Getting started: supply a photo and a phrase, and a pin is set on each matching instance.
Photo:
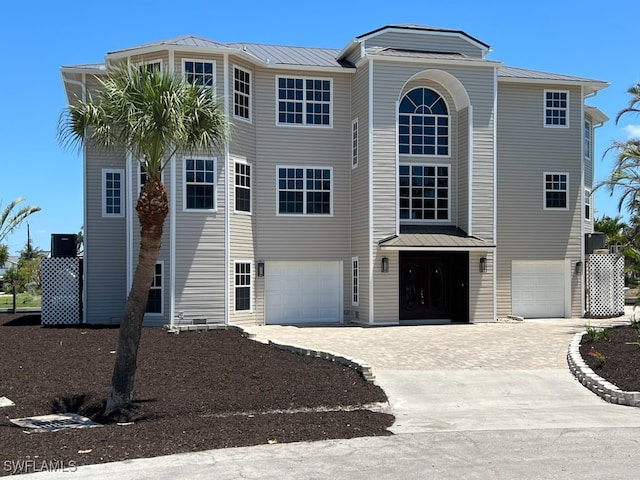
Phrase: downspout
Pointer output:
(227, 173)
(370, 199)
(83, 87)
(172, 221)
(495, 194)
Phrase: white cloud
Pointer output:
(633, 131)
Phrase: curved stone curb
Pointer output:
(598, 385)
(365, 370)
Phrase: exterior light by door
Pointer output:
(578, 268)
(482, 268)
(261, 268)
(385, 264)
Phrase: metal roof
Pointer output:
(524, 74)
(434, 238)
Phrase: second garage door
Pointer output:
(538, 289)
(303, 292)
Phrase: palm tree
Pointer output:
(10, 220)
(614, 229)
(152, 115)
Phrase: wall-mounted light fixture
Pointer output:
(385, 264)
(482, 267)
(260, 268)
(579, 268)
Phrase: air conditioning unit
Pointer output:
(64, 245)
(593, 241)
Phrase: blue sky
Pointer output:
(586, 38)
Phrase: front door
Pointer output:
(434, 286)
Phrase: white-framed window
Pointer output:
(588, 131)
(354, 143)
(304, 101)
(556, 189)
(304, 190)
(423, 124)
(151, 66)
(243, 187)
(242, 286)
(200, 178)
(587, 204)
(113, 192)
(199, 72)
(556, 108)
(424, 192)
(241, 93)
(155, 300)
(355, 281)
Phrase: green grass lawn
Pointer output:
(23, 300)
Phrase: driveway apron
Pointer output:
(487, 376)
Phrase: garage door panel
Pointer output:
(303, 292)
(538, 289)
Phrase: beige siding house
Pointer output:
(403, 179)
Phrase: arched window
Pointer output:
(423, 123)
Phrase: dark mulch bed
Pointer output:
(621, 362)
(194, 391)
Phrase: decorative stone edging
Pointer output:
(587, 377)
(365, 370)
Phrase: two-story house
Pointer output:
(404, 178)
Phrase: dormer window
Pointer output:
(423, 124)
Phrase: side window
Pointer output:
(556, 108)
(355, 281)
(243, 286)
(241, 93)
(112, 192)
(243, 187)
(154, 303)
(199, 184)
(304, 101)
(354, 143)
(304, 191)
(556, 188)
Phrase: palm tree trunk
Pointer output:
(152, 208)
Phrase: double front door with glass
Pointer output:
(434, 286)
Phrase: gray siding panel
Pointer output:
(525, 151)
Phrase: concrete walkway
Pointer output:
(471, 401)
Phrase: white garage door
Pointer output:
(538, 289)
(303, 292)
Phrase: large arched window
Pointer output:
(423, 124)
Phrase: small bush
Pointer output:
(595, 334)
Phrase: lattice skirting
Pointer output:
(605, 285)
(60, 290)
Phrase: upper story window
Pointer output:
(241, 93)
(304, 101)
(152, 66)
(243, 187)
(112, 192)
(556, 188)
(424, 192)
(556, 108)
(304, 191)
(198, 72)
(423, 124)
(354, 143)
(587, 139)
(200, 184)
(154, 302)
